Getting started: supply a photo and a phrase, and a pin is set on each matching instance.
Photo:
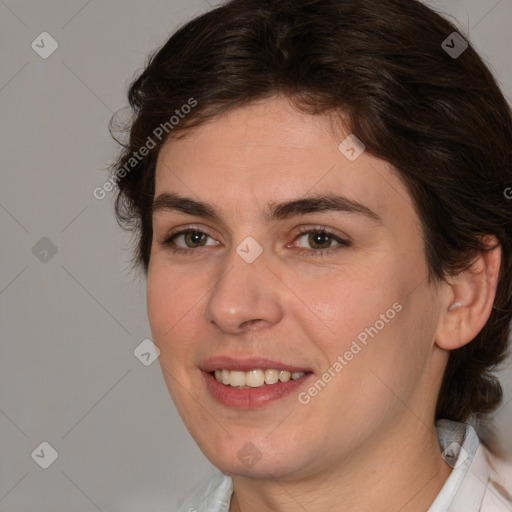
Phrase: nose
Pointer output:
(245, 297)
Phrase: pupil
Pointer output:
(319, 239)
(195, 237)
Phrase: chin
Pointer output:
(247, 460)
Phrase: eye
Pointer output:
(187, 239)
(320, 240)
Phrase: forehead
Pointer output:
(269, 152)
(259, 130)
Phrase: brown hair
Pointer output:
(439, 119)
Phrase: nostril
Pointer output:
(251, 324)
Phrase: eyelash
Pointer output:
(169, 240)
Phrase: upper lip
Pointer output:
(248, 363)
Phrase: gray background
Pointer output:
(69, 325)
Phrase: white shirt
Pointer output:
(473, 485)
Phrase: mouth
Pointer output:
(255, 378)
(251, 383)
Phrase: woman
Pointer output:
(318, 194)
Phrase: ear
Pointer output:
(467, 301)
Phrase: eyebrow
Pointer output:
(275, 211)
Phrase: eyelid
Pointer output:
(322, 229)
(184, 229)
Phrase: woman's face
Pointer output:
(259, 286)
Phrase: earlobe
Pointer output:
(470, 297)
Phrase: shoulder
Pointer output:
(213, 495)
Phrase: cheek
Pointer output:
(157, 298)
(172, 308)
(171, 303)
(369, 318)
(345, 302)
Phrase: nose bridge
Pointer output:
(245, 293)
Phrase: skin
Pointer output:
(357, 444)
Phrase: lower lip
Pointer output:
(251, 398)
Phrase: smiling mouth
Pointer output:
(256, 378)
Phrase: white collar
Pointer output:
(469, 487)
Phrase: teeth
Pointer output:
(271, 376)
(236, 379)
(255, 378)
(284, 376)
